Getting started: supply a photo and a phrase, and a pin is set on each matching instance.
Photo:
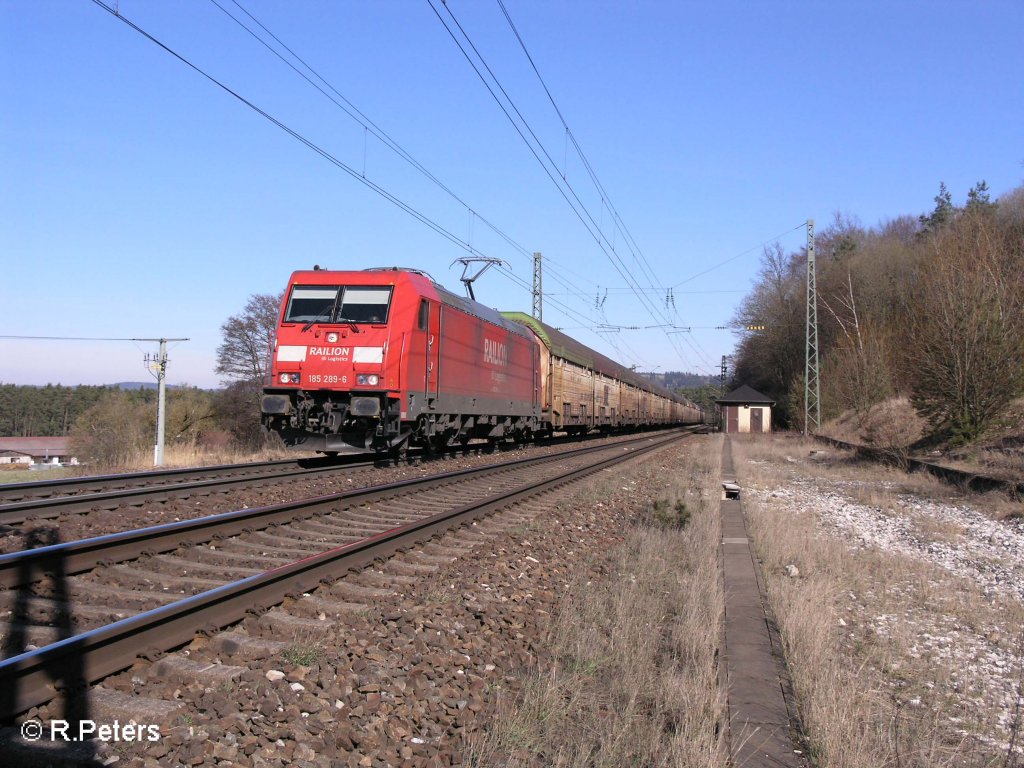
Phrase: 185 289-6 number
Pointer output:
(327, 379)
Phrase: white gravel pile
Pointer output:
(985, 551)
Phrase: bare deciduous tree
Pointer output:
(114, 431)
(769, 359)
(243, 358)
(857, 366)
(929, 308)
(966, 332)
(248, 338)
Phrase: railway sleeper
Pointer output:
(27, 636)
(315, 605)
(46, 611)
(346, 590)
(408, 567)
(106, 706)
(191, 568)
(383, 579)
(283, 624)
(182, 669)
(244, 646)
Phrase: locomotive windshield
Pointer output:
(364, 304)
(338, 304)
(310, 303)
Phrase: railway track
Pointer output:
(72, 486)
(969, 481)
(95, 494)
(82, 610)
(49, 499)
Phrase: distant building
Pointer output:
(746, 410)
(14, 457)
(39, 450)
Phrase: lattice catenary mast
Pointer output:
(812, 388)
(538, 290)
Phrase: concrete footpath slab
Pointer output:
(762, 731)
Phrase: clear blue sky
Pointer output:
(140, 200)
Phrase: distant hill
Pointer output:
(676, 379)
(134, 385)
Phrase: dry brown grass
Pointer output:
(1001, 463)
(180, 456)
(853, 624)
(634, 679)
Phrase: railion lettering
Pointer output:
(329, 351)
(495, 352)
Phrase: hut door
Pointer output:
(755, 420)
(732, 419)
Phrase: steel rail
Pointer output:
(66, 486)
(45, 508)
(963, 479)
(29, 677)
(83, 554)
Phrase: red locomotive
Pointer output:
(380, 359)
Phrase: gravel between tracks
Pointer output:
(402, 680)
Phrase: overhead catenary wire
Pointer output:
(570, 136)
(310, 144)
(395, 200)
(369, 126)
(86, 338)
(605, 197)
(713, 267)
(536, 147)
(460, 242)
(590, 325)
(350, 109)
(550, 167)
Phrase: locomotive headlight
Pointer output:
(369, 379)
(289, 378)
(332, 338)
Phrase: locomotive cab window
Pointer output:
(424, 316)
(338, 304)
(364, 304)
(311, 303)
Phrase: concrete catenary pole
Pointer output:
(158, 364)
(161, 408)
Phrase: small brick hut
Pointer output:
(746, 410)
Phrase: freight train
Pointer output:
(382, 359)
